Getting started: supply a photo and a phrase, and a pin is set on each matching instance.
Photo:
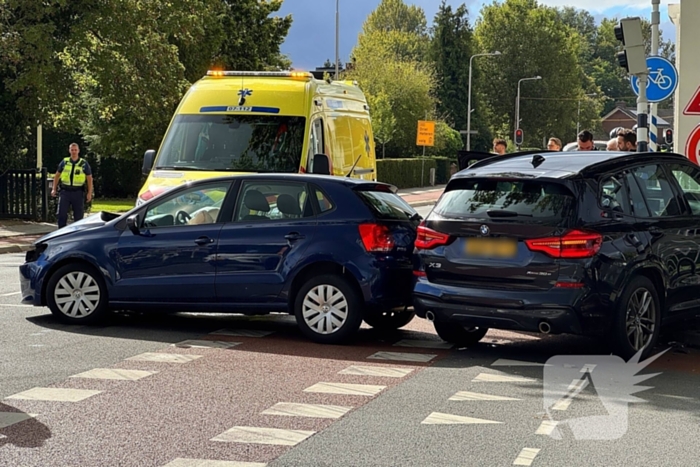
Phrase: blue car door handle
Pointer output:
(291, 236)
(204, 241)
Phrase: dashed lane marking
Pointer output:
(526, 456)
(115, 374)
(55, 394)
(241, 332)
(382, 371)
(346, 389)
(437, 418)
(258, 435)
(547, 427)
(307, 410)
(491, 378)
(185, 462)
(10, 418)
(423, 344)
(204, 344)
(506, 362)
(402, 356)
(10, 294)
(475, 396)
(164, 357)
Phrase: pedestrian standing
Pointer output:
(73, 176)
(499, 146)
(554, 144)
(627, 140)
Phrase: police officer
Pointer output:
(74, 174)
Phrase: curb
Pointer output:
(15, 248)
(419, 204)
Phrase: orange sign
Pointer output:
(426, 133)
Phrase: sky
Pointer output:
(311, 39)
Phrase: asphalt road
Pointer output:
(274, 398)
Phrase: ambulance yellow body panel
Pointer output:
(236, 122)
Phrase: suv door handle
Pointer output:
(291, 236)
(204, 241)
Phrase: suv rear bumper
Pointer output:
(501, 309)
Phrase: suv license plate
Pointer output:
(491, 248)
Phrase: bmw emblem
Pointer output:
(484, 229)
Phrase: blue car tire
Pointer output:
(328, 309)
(76, 294)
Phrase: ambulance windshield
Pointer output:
(246, 143)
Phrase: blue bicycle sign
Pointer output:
(661, 82)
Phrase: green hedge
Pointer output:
(405, 173)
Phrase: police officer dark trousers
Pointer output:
(73, 176)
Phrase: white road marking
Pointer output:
(164, 357)
(347, 389)
(10, 418)
(402, 356)
(491, 378)
(10, 294)
(19, 305)
(241, 333)
(382, 371)
(257, 435)
(506, 362)
(186, 462)
(574, 389)
(55, 394)
(437, 418)
(424, 344)
(588, 368)
(307, 410)
(205, 344)
(115, 374)
(526, 456)
(547, 427)
(475, 396)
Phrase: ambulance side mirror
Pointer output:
(321, 165)
(148, 159)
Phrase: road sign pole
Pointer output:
(642, 109)
(653, 108)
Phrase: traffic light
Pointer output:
(668, 136)
(518, 137)
(633, 57)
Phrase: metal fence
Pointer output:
(24, 194)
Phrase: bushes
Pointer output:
(406, 173)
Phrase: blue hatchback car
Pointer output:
(330, 250)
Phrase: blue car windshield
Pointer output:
(244, 143)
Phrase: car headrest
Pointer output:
(255, 201)
(287, 205)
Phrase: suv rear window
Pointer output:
(388, 206)
(495, 199)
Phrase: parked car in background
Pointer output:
(604, 244)
(599, 145)
(330, 250)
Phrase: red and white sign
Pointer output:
(692, 147)
(693, 107)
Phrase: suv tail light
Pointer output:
(574, 244)
(376, 238)
(427, 238)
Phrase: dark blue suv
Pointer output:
(330, 250)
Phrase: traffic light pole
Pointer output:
(642, 117)
(653, 108)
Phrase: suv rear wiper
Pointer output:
(505, 213)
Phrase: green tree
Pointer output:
(533, 42)
(399, 28)
(383, 120)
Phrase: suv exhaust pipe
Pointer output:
(544, 327)
(430, 316)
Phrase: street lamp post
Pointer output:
(337, 23)
(517, 102)
(578, 116)
(469, 98)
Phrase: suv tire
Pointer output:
(389, 320)
(328, 309)
(460, 335)
(637, 319)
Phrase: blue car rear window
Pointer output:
(387, 205)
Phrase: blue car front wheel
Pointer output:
(76, 294)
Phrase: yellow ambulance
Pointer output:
(242, 121)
